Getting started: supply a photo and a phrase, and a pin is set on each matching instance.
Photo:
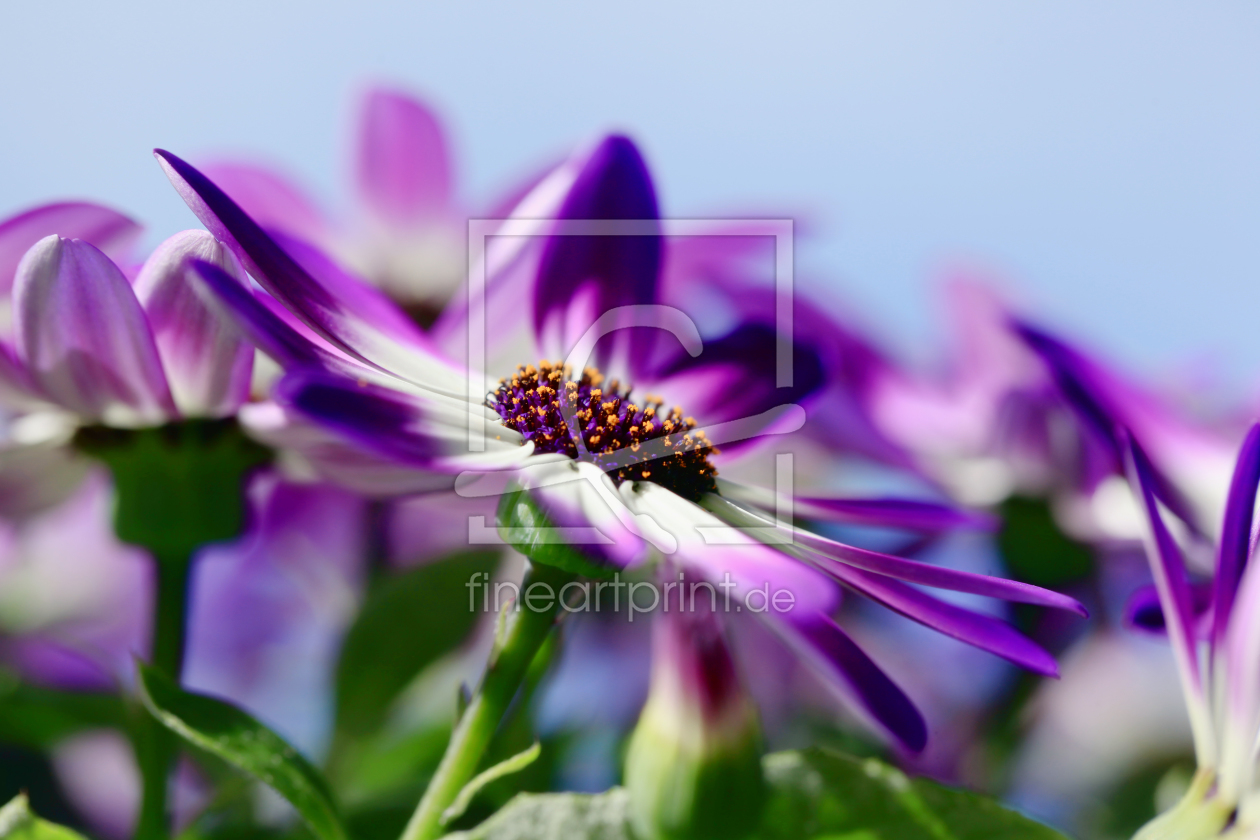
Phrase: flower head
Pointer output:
(109, 351)
(367, 394)
(405, 236)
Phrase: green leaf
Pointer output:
(178, 486)
(820, 793)
(507, 767)
(543, 816)
(234, 736)
(815, 794)
(524, 526)
(18, 823)
(408, 621)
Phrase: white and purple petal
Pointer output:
(271, 199)
(582, 274)
(336, 314)
(263, 327)
(1235, 544)
(207, 364)
(1169, 570)
(84, 337)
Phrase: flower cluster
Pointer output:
(293, 414)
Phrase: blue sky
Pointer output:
(1103, 158)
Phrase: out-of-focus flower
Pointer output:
(266, 619)
(1218, 659)
(89, 343)
(1191, 461)
(1022, 412)
(36, 469)
(74, 601)
(1116, 711)
(589, 456)
(408, 236)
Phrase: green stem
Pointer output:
(507, 668)
(155, 744)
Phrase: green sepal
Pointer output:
(177, 486)
(525, 527)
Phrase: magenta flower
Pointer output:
(362, 377)
(407, 234)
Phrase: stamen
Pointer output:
(608, 422)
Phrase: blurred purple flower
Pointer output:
(407, 237)
(369, 391)
(267, 615)
(89, 342)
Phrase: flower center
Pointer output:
(536, 400)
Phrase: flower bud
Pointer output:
(694, 764)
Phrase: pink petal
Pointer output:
(403, 164)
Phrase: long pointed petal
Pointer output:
(206, 362)
(1235, 544)
(1169, 570)
(830, 554)
(908, 514)
(84, 337)
(976, 629)
(833, 654)
(378, 419)
(939, 577)
(1086, 391)
(403, 167)
(904, 514)
(107, 229)
(331, 313)
(262, 327)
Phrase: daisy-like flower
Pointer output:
(1216, 646)
(406, 235)
(106, 350)
(636, 475)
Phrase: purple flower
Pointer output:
(1218, 660)
(626, 477)
(92, 343)
(407, 234)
